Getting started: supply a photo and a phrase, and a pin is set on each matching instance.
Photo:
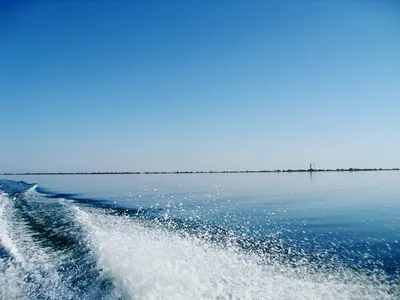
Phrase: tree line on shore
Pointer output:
(208, 172)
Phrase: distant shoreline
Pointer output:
(203, 172)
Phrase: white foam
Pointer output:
(5, 239)
(31, 271)
(150, 262)
(32, 188)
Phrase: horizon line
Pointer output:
(203, 172)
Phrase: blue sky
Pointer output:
(198, 85)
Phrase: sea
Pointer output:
(319, 235)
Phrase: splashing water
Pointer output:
(151, 262)
(53, 248)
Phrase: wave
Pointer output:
(44, 256)
(60, 248)
(152, 262)
(15, 187)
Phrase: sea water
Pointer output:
(201, 236)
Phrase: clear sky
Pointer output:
(198, 85)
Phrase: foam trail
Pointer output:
(30, 271)
(150, 262)
(46, 256)
(32, 188)
(5, 239)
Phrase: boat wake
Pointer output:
(55, 248)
